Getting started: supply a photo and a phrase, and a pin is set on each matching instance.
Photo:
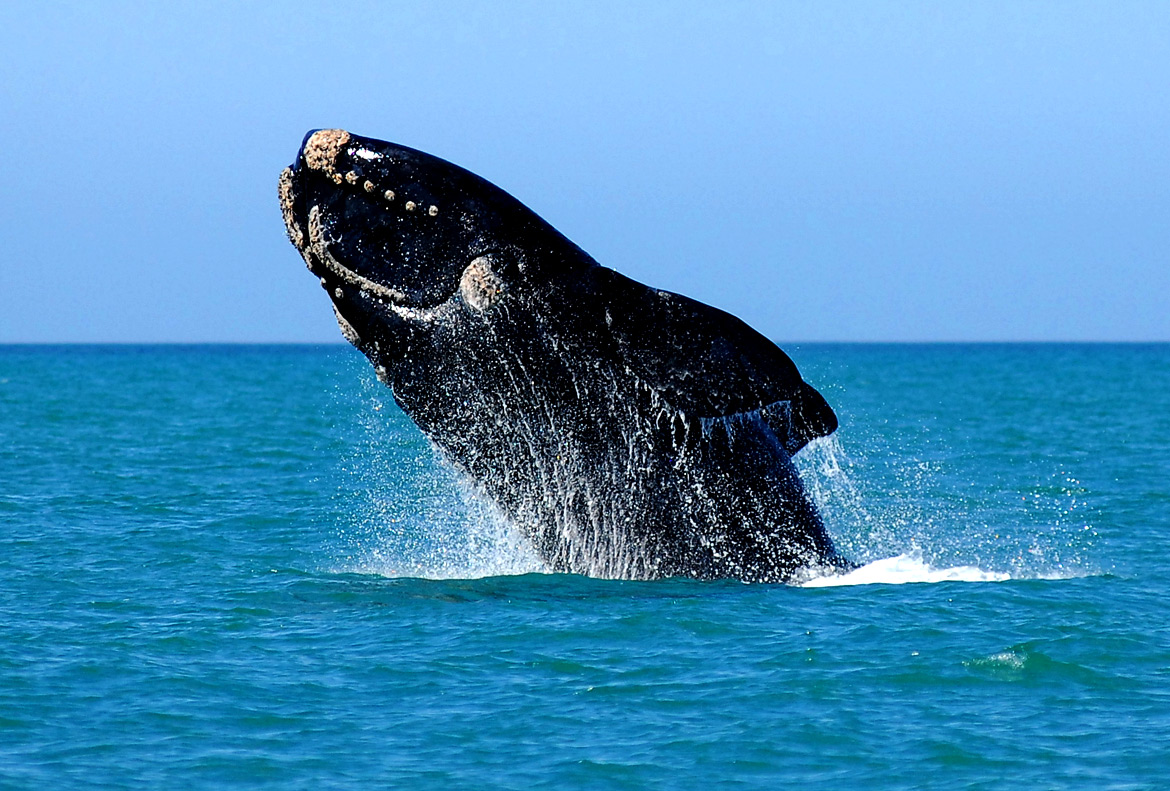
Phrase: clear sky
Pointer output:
(826, 171)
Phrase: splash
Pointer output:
(873, 511)
(452, 533)
(415, 516)
(925, 521)
(905, 569)
(905, 520)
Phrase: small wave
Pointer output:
(1012, 660)
(902, 569)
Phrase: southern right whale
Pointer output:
(628, 432)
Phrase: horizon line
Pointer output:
(344, 344)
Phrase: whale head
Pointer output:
(397, 236)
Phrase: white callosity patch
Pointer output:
(296, 234)
(322, 149)
(321, 152)
(347, 330)
(480, 286)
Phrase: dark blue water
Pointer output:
(242, 566)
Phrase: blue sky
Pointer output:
(826, 171)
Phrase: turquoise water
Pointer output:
(242, 566)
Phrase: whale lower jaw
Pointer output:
(376, 293)
(313, 245)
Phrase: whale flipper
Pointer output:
(706, 362)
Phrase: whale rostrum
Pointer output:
(627, 432)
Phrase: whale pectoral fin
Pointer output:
(812, 417)
(705, 361)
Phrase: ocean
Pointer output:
(242, 566)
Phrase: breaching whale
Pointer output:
(628, 432)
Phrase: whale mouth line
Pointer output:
(373, 292)
(320, 247)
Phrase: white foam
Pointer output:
(450, 533)
(903, 569)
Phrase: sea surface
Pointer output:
(242, 566)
